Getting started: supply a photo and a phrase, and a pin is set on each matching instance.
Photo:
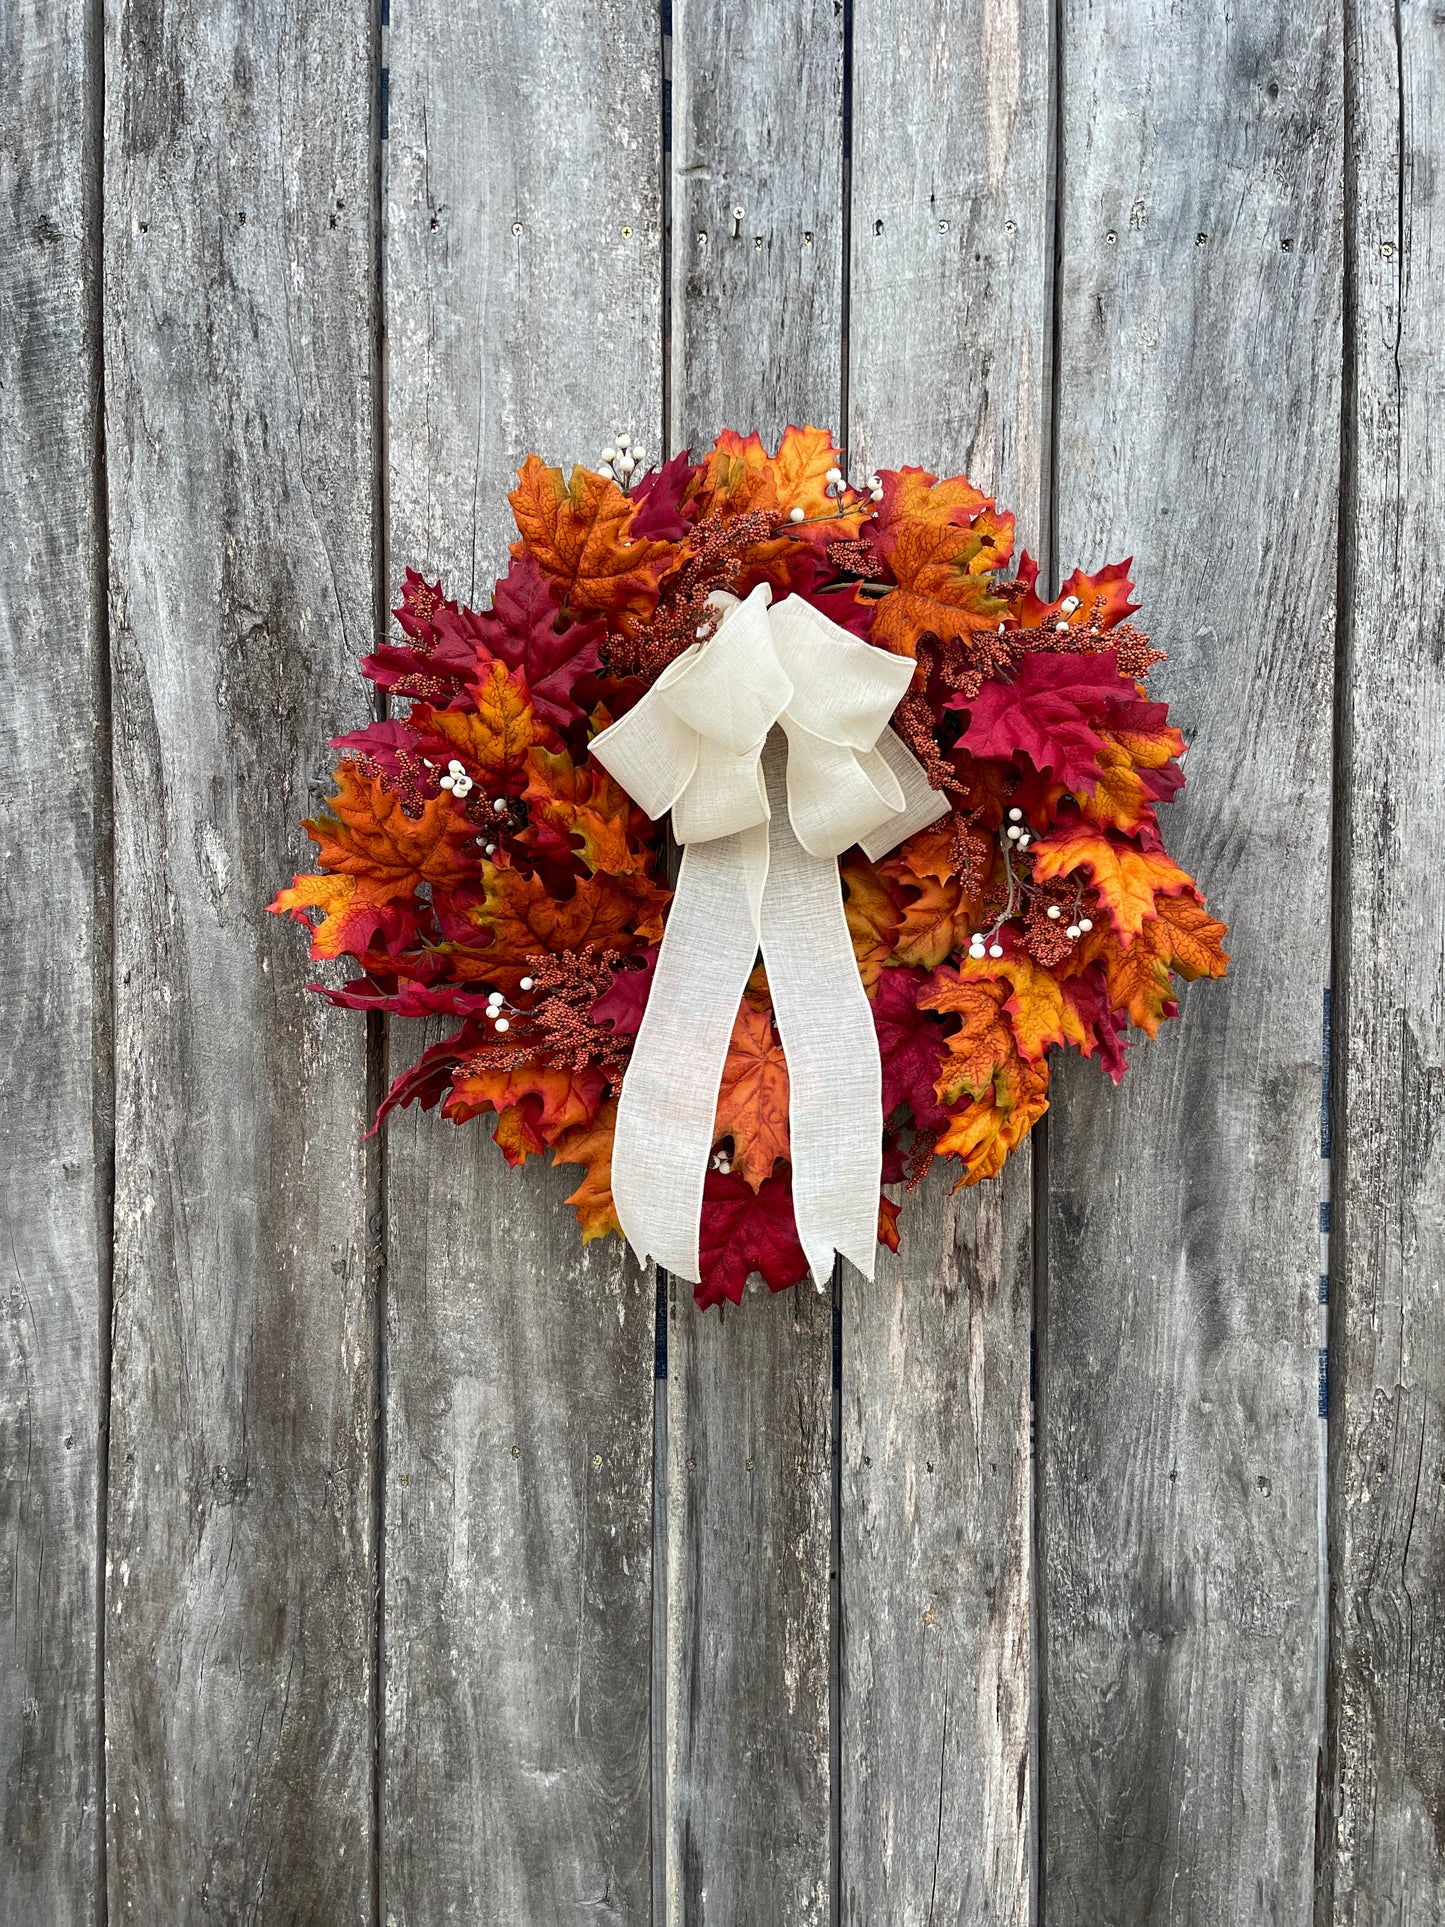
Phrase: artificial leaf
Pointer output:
(591, 1145)
(935, 916)
(939, 592)
(873, 916)
(584, 804)
(522, 917)
(1048, 712)
(621, 1005)
(983, 1041)
(492, 737)
(534, 1102)
(1102, 599)
(367, 834)
(347, 924)
(888, 1223)
(744, 1231)
(580, 535)
(996, 1123)
(1181, 938)
(525, 629)
(752, 1107)
(1129, 881)
(911, 1047)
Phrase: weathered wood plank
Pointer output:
(757, 307)
(1198, 407)
(1388, 1247)
(54, 937)
(757, 218)
(239, 281)
(523, 312)
(950, 320)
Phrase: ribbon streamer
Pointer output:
(769, 743)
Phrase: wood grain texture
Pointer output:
(1387, 1321)
(950, 323)
(1198, 408)
(936, 1516)
(54, 969)
(757, 218)
(749, 1511)
(757, 310)
(239, 316)
(523, 312)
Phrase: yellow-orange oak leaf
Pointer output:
(873, 916)
(800, 474)
(1034, 1002)
(493, 739)
(1129, 881)
(522, 917)
(367, 834)
(752, 1105)
(1182, 939)
(591, 1145)
(534, 1103)
(1118, 796)
(346, 922)
(935, 921)
(995, 1124)
(586, 803)
(983, 1041)
(579, 534)
(927, 853)
(939, 591)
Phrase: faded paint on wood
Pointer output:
(757, 309)
(239, 315)
(1387, 1826)
(54, 939)
(1198, 370)
(949, 324)
(523, 312)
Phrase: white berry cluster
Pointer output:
(834, 484)
(619, 462)
(456, 780)
(497, 1007)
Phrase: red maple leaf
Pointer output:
(525, 629)
(1047, 713)
(658, 496)
(744, 1231)
(912, 1046)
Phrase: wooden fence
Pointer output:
(368, 1552)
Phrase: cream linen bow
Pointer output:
(770, 745)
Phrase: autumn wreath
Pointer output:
(479, 863)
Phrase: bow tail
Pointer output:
(825, 1024)
(668, 1104)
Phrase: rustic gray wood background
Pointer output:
(368, 1551)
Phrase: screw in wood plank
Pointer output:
(944, 226)
(750, 1465)
(596, 1461)
(1286, 243)
(1200, 239)
(807, 239)
(516, 1451)
(1111, 237)
(627, 234)
(691, 1464)
(702, 237)
(516, 227)
(1386, 250)
(1009, 226)
(738, 223)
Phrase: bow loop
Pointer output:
(763, 813)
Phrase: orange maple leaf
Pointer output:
(873, 916)
(1129, 880)
(522, 916)
(940, 592)
(1181, 938)
(591, 1145)
(752, 1106)
(578, 533)
(587, 803)
(368, 835)
(1033, 1000)
(995, 1124)
(491, 740)
(983, 1042)
(534, 1103)
(346, 924)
